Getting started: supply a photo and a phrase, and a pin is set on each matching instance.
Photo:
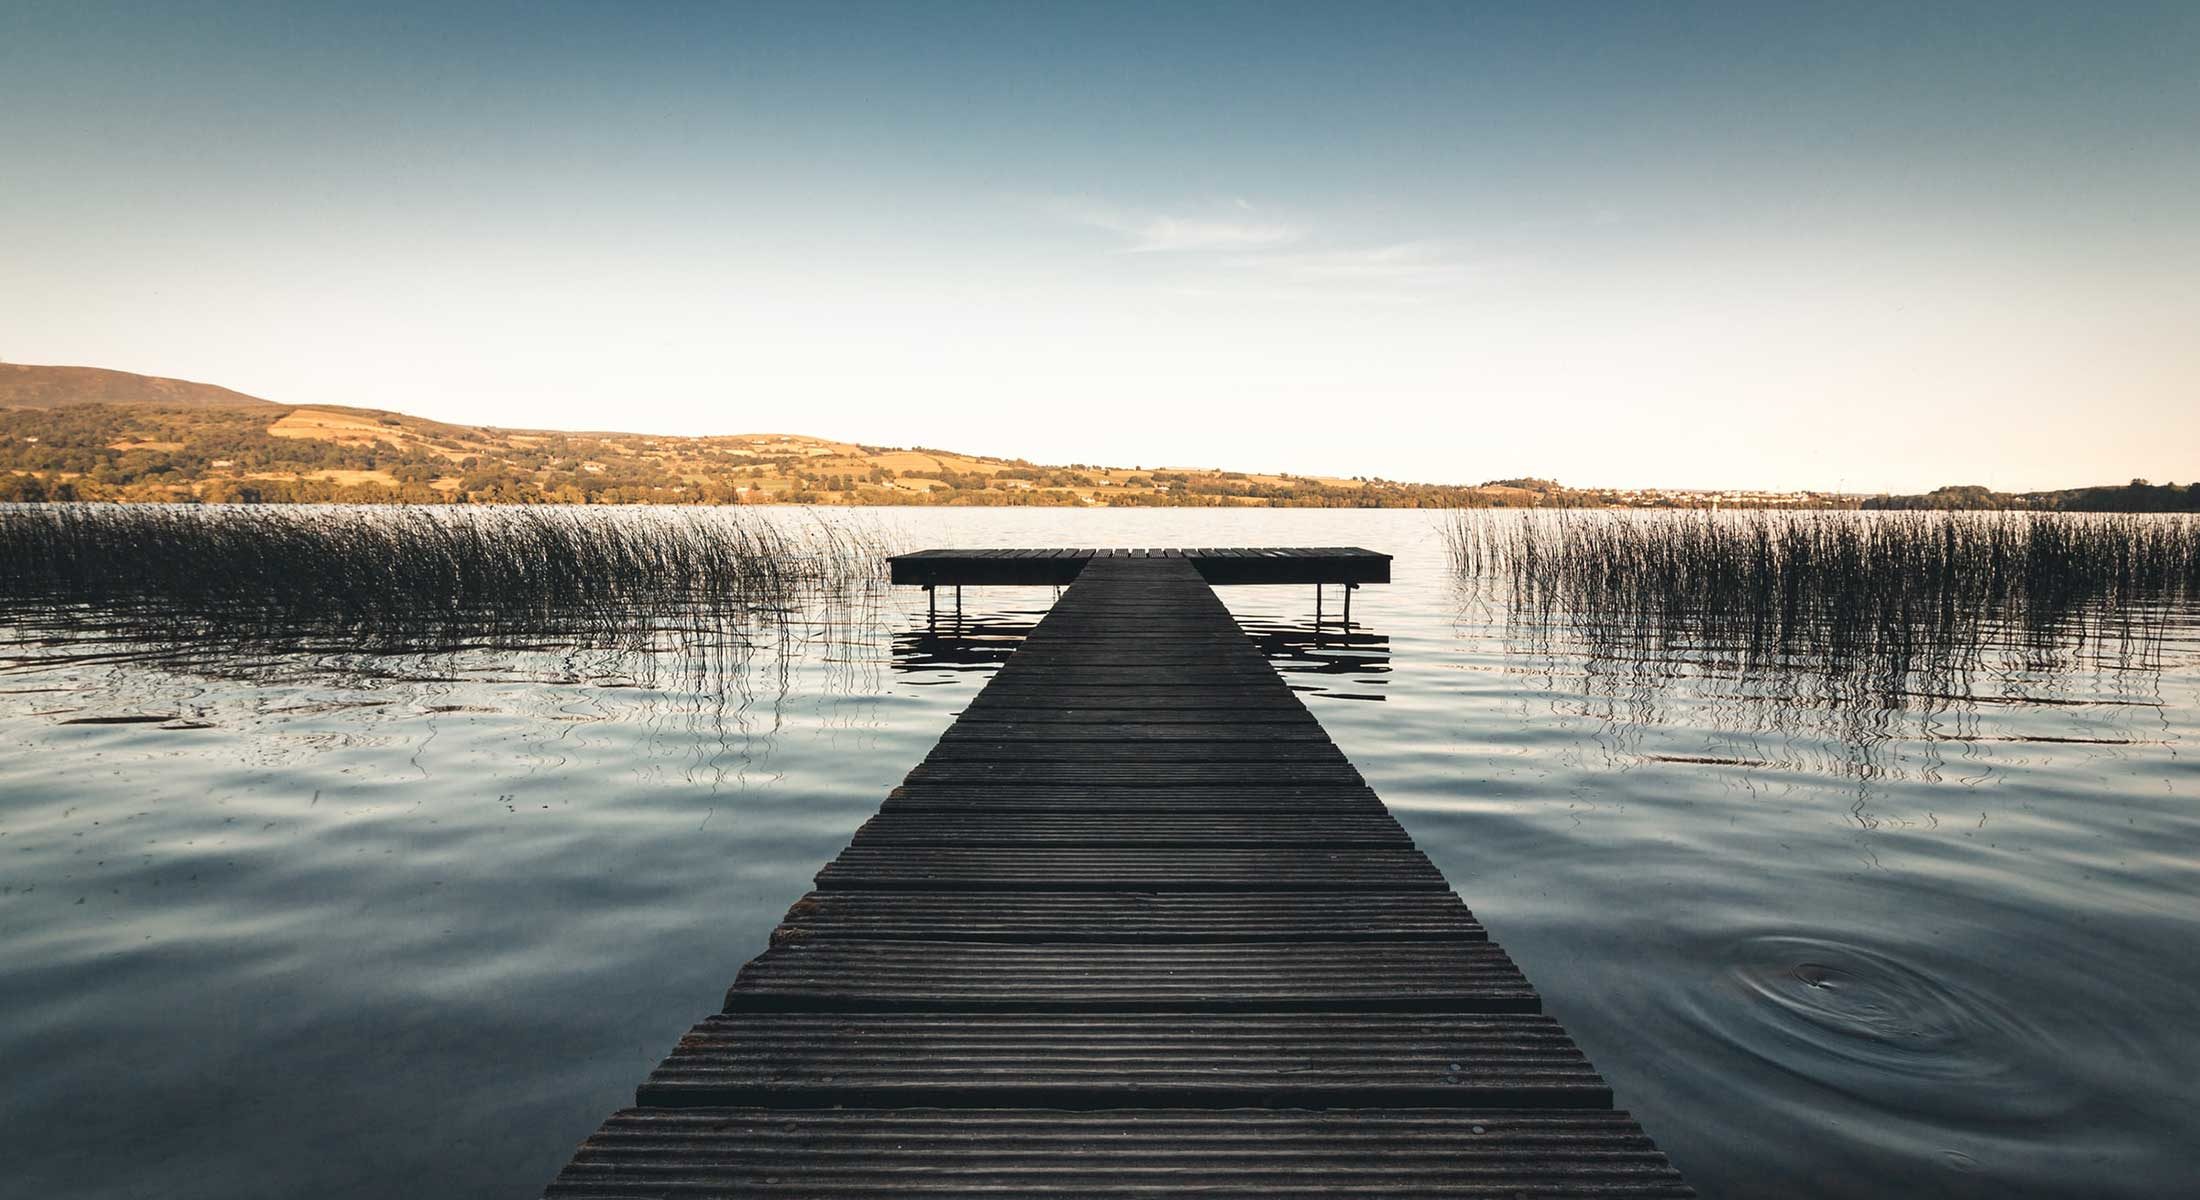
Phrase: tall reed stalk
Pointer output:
(404, 575)
(1880, 595)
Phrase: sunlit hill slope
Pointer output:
(92, 434)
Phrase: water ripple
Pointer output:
(1878, 1025)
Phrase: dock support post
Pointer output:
(1348, 590)
(931, 604)
(1317, 608)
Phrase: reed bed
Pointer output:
(1877, 597)
(411, 577)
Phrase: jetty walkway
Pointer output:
(1135, 927)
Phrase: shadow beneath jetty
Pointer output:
(1327, 657)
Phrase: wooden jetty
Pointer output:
(1136, 927)
(1348, 565)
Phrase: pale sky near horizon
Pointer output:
(1843, 245)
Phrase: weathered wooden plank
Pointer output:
(917, 827)
(1005, 798)
(1086, 714)
(1136, 643)
(1123, 594)
(1131, 869)
(1133, 877)
(1077, 652)
(1228, 690)
(1146, 677)
(864, 1154)
(1100, 773)
(1144, 750)
(842, 975)
(1174, 683)
(1131, 693)
(1108, 1060)
(1135, 917)
(1172, 626)
(1124, 652)
(1130, 646)
(1055, 662)
(1296, 565)
(1015, 731)
(1059, 663)
(1183, 676)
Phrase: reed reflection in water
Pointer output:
(1825, 937)
(1856, 838)
(420, 801)
(710, 606)
(1870, 628)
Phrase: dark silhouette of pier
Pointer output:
(1134, 927)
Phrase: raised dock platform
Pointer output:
(1270, 564)
(1135, 927)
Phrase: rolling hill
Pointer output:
(92, 434)
(86, 433)
(61, 387)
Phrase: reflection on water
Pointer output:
(937, 647)
(714, 693)
(1881, 1016)
(1334, 660)
(1667, 691)
(1907, 879)
(390, 918)
(361, 920)
(1315, 653)
(1790, 713)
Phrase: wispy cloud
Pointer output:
(1146, 232)
(1235, 247)
(1399, 263)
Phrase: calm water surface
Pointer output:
(347, 925)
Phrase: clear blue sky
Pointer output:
(1828, 245)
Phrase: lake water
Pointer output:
(351, 925)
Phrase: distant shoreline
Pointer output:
(90, 434)
(14, 494)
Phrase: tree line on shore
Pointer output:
(2138, 496)
(249, 455)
